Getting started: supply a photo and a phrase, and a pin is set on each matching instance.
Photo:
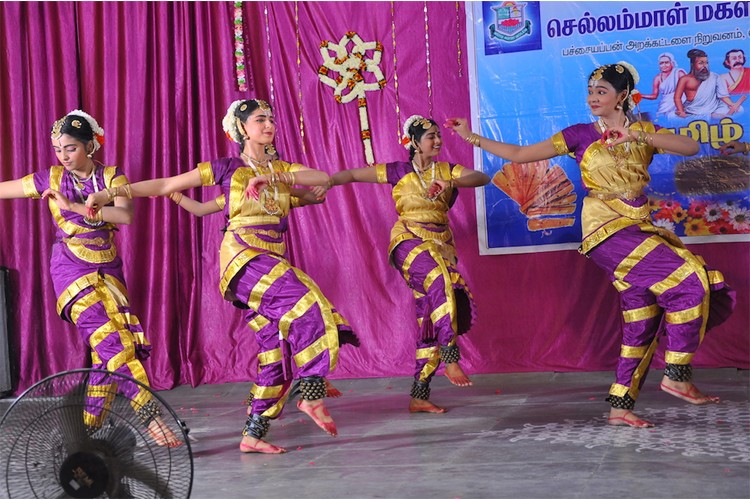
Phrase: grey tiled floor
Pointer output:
(531, 435)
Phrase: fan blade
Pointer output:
(148, 477)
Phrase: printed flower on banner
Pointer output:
(356, 65)
(702, 217)
(697, 209)
(714, 213)
(739, 218)
(696, 227)
(666, 224)
(722, 227)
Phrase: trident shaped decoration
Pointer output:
(350, 82)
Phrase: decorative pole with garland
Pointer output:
(351, 83)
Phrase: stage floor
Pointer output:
(529, 435)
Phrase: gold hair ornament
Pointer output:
(57, 128)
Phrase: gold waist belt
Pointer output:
(250, 230)
(87, 241)
(443, 235)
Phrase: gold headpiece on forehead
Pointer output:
(599, 72)
(57, 128)
(263, 105)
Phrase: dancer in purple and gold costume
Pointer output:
(663, 287)
(257, 277)
(87, 272)
(422, 249)
(298, 198)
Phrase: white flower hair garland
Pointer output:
(98, 131)
(229, 123)
(633, 71)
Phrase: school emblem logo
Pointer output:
(511, 26)
(510, 22)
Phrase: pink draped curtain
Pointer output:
(159, 77)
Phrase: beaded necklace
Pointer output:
(269, 204)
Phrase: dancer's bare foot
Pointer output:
(422, 405)
(686, 391)
(456, 375)
(317, 411)
(626, 417)
(162, 434)
(331, 391)
(251, 444)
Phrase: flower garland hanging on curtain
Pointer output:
(239, 49)
(351, 83)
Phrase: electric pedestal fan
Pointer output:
(48, 450)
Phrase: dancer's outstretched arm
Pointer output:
(366, 174)
(10, 190)
(197, 208)
(154, 187)
(520, 154)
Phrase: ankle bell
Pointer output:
(312, 388)
(420, 390)
(256, 426)
(678, 373)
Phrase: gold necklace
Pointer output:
(619, 153)
(421, 179)
(269, 204)
(78, 187)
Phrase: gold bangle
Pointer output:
(641, 139)
(747, 147)
(474, 139)
(110, 194)
(650, 139)
(128, 192)
(176, 197)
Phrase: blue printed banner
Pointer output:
(531, 62)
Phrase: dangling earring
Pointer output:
(91, 154)
(619, 106)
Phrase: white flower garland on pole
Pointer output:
(350, 83)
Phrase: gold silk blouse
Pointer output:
(612, 176)
(419, 217)
(243, 239)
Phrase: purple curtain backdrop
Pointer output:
(159, 77)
